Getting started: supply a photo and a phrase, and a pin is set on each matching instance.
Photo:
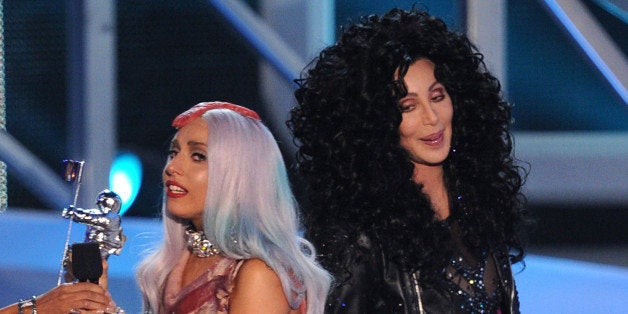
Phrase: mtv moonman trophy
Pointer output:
(103, 222)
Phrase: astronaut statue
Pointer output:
(103, 222)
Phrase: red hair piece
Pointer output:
(200, 108)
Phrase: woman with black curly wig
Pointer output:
(412, 190)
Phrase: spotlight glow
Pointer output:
(125, 178)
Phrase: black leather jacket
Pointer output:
(368, 283)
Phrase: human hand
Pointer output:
(103, 281)
(79, 297)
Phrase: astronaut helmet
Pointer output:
(108, 200)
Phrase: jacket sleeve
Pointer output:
(359, 283)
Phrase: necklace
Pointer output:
(198, 243)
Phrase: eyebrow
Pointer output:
(175, 142)
(430, 88)
(433, 84)
(195, 143)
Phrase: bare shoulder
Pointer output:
(256, 273)
(257, 289)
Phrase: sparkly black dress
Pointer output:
(477, 281)
(474, 281)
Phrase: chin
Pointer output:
(172, 210)
(433, 164)
(434, 160)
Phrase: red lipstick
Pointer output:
(174, 189)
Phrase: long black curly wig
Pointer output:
(358, 176)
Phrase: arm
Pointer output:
(61, 299)
(364, 281)
(257, 290)
(355, 278)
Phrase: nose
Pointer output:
(172, 168)
(429, 116)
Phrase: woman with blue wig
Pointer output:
(232, 239)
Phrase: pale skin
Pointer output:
(83, 296)
(425, 131)
(258, 290)
(257, 287)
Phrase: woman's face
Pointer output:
(185, 174)
(426, 113)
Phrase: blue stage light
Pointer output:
(125, 178)
(589, 49)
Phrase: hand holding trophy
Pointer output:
(85, 264)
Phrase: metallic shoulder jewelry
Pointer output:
(198, 243)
